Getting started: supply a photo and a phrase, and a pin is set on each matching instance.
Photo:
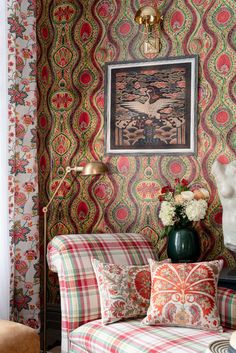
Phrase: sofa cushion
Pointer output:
(132, 337)
(184, 294)
(226, 299)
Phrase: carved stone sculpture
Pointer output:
(225, 176)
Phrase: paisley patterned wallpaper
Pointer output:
(75, 39)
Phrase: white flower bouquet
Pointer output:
(180, 206)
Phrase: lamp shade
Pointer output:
(94, 168)
(147, 16)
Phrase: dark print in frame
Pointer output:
(151, 106)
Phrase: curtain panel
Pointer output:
(4, 231)
(23, 179)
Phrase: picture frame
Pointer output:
(151, 106)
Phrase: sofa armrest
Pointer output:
(70, 256)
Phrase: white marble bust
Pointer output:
(225, 176)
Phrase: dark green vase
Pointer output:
(183, 245)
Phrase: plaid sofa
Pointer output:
(82, 331)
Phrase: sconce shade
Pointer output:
(94, 168)
(147, 16)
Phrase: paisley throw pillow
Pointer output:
(124, 290)
(184, 294)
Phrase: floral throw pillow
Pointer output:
(124, 290)
(184, 294)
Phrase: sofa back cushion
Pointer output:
(226, 299)
(70, 256)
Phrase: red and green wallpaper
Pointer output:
(75, 39)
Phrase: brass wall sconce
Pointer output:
(151, 19)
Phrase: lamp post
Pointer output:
(91, 168)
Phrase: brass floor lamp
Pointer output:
(91, 168)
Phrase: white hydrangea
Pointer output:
(196, 210)
(167, 213)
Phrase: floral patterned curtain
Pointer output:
(4, 231)
(23, 183)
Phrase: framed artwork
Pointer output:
(151, 106)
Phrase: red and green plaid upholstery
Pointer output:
(70, 256)
(227, 307)
(133, 337)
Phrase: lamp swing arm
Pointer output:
(68, 170)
